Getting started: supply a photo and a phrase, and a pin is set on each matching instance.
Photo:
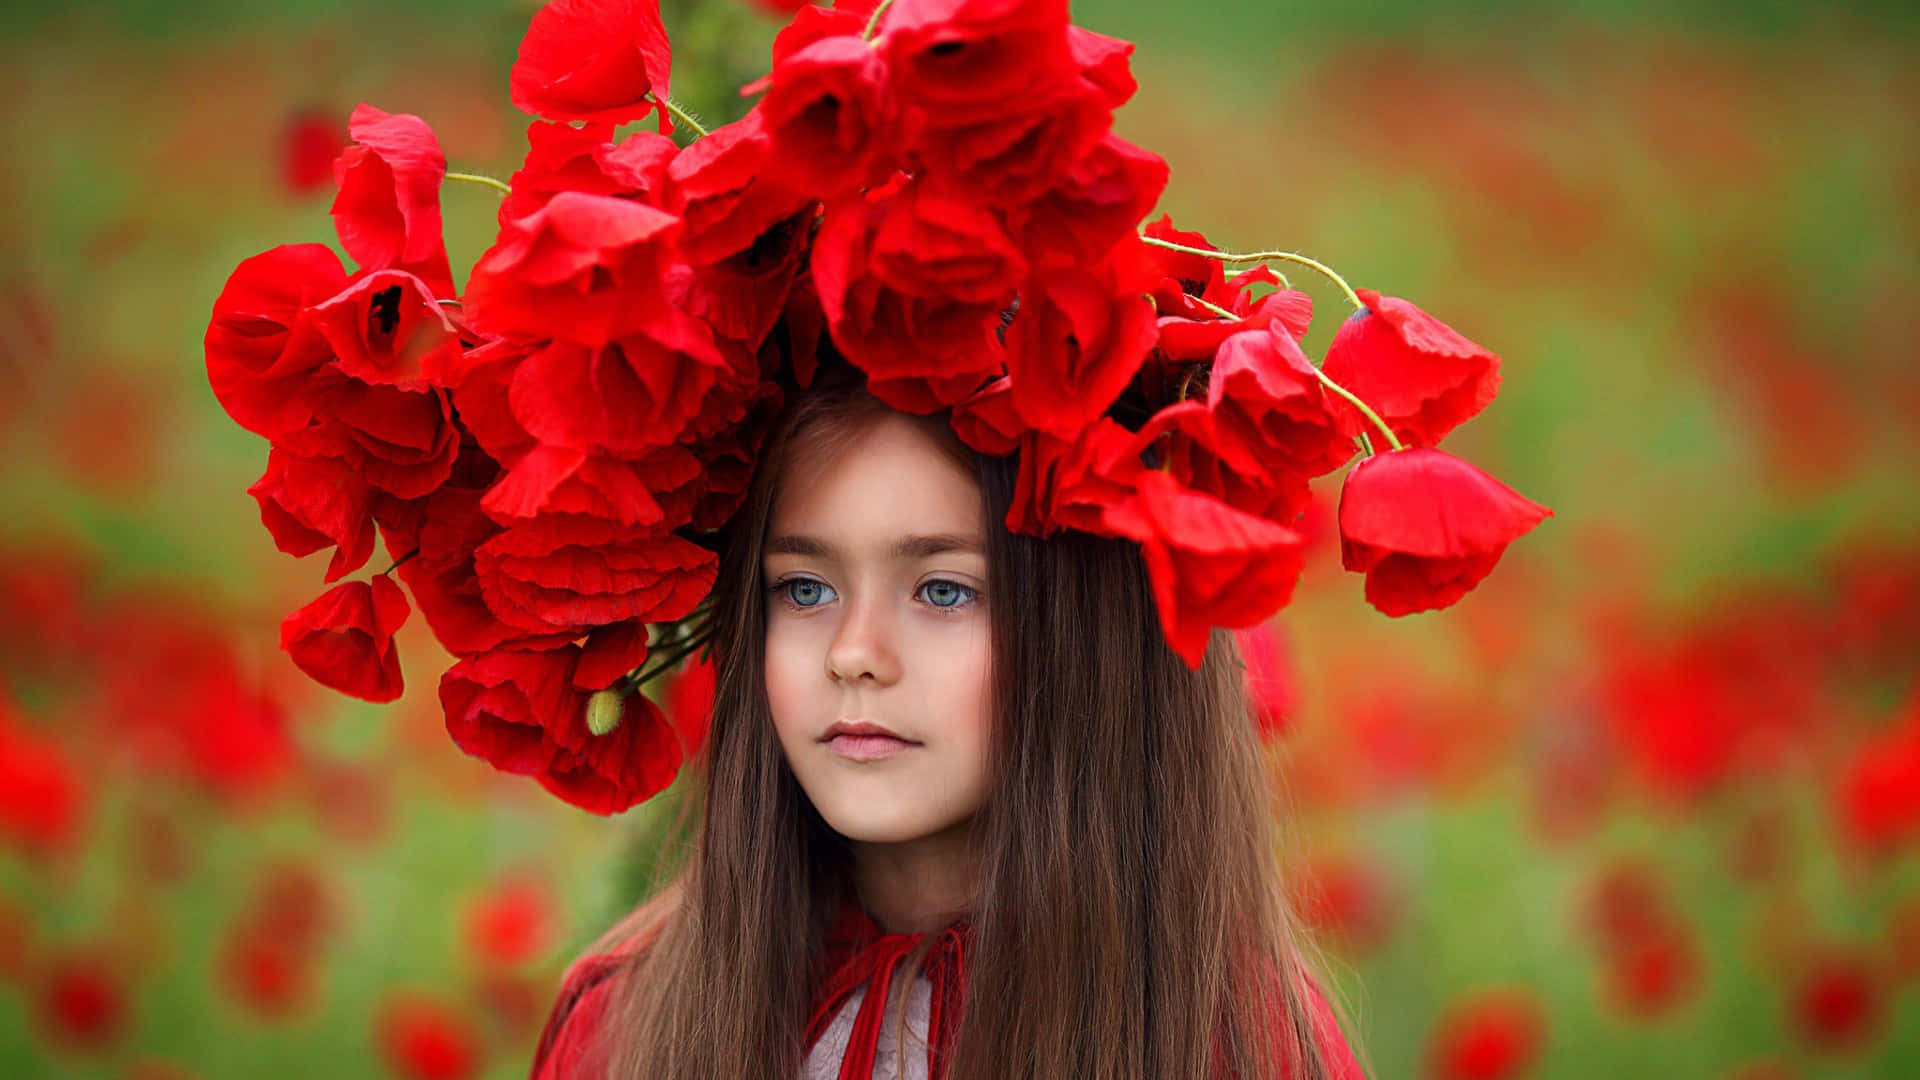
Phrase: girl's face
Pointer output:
(876, 572)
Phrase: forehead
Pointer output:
(889, 479)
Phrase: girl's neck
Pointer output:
(918, 886)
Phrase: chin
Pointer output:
(863, 826)
(864, 829)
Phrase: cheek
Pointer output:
(969, 691)
(789, 688)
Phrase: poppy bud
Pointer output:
(604, 709)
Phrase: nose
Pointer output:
(862, 646)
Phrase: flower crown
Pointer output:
(552, 456)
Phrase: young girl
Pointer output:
(981, 797)
(962, 812)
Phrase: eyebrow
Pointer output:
(907, 547)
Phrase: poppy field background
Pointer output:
(1647, 802)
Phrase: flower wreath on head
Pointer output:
(550, 457)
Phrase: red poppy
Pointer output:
(1494, 1035)
(824, 113)
(727, 191)
(562, 157)
(448, 531)
(344, 639)
(1106, 62)
(1008, 158)
(1416, 372)
(403, 442)
(985, 419)
(935, 245)
(1270, 409)
(584, 398)
(260, 343)
(1080, 336)
(582, 268)
(421, 1038)
(1189, 279)
(558, 480)
(1071, 483)
(596, 60)
(743, 295)
(1094, 205)
(1186, 442)
(386, 329)
(965, 60)
(606, 774)
(311, 501)
(1426, 527)
(1210, 564)
(523, 713)
(919, 353)
(560, 575)
(388, 210)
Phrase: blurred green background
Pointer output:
(1637, 806)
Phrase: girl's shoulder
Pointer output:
(579, 1012)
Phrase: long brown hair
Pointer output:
(1129, 923)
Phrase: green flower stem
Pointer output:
(397, 562)
(476, 178)
(1264, 256)
(873, 23)
(680, 115)
(672, 657)
(1365, 410)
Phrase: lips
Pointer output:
(859, 741)
(860, 727)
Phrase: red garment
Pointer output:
(857, 952)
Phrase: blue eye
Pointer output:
(805, 592)
(948, 594)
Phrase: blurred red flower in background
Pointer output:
(1273, 691)
(1837, 1004)
(82, 1001)
(309, 142)
(268, 975)
(422, 1038)
(1876, 795)
(1490, 1035)
(510, 924)
(1345, 898)
(43, 800)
